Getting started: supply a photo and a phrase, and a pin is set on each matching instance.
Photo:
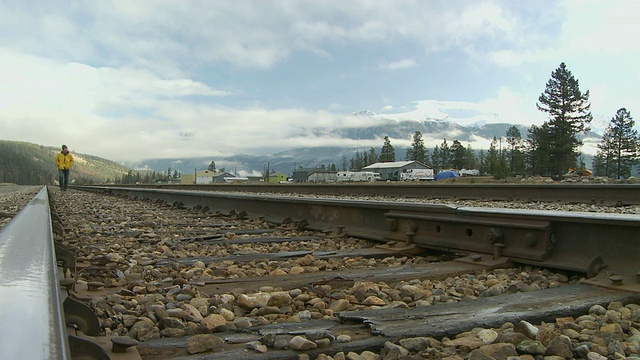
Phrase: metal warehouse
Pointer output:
(315, 175)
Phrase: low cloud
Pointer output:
(399, 65)
(118, 81)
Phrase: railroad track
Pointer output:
(562, 193)
(349, 276)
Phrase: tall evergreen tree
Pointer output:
(491, 161)
(373, 156)
(481, 163)
(459, 155)
(418, 151)
(569, 115)
(358, 163)
(516, 155)
(471, 162)
(436, 160)
(445, 158)
(496, 162)
(539, 159)
(600, 163)
(619, 149)
(387, 153)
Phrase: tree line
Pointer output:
(147, 177)
(548, 150)
(25, 163)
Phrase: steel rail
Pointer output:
(607, 194)
(31, 314)
(583, 242)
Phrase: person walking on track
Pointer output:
(64, 160)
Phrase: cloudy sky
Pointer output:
(132, 80)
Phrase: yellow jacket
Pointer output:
(64, 161)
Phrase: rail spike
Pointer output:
(81, 316)
(82, 348)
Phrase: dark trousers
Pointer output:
(64, 179)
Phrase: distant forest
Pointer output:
(25, 163)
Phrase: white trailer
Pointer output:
(417, 174)
(469, 172)
(358, 176)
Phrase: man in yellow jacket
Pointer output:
(64, 160)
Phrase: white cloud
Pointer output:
(399, 65)
(596, 26)
(147, 79)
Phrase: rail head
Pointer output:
(32, 318)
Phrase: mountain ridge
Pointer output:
(433, 131)
(360, 137)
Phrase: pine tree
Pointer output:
(435, 160)
(459, 155)
(445, 158)
(471, 160)
(619, 149)
(600, 164)
(491, 161)
(408, 155)
(516, 156)
(496, 161)
(569, 115)
(387, 153)
(358, 163)
(418, 151)
(373, 156)
(539, 159)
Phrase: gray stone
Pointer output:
(257, 346)
(499, 351)
(531, 347)
(343, 338)
(595, 356)
(560, 346)
(299, 343)
(339, 305)
(203, 342)
(416, 344)
(526, 328)
(391, 347)
(487, 336)
(479, 355)
(512, 337)
(213, 321)
(142, 328)
(172, 322)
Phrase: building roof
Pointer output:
(310, 171)
(391, 165)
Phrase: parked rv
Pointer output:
(358, 176)
(469, 172)
(233, 179)
(417, 174)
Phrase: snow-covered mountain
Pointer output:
(367, 131)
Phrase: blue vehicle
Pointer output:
(445, 175)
